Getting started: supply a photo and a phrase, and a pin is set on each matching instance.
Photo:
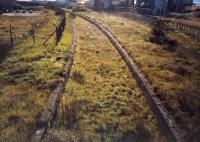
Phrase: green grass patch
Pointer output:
(28, 74)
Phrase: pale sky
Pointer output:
(55, 0)
(37, 0)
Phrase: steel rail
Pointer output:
(167, 124)
(50, 109)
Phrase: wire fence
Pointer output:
(11, 35)
(14, 35)
(59, 28)
(193, 31)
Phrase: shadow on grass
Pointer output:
(4, 50)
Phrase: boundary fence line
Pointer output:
(59, 28)
(149, 20)
(16, 35)
(50, 109)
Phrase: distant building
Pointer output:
(101, 4)
(156, 7)
(160, 7)
(6, 5)
(179, 5)
(105, 4)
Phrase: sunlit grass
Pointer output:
(174, 74)
(102, 102)
(27, 76)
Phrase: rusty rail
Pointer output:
(50, 109)
(167, 124)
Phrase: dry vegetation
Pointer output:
(102, 102)
(175, 73)
(192, 19)
(28, 73)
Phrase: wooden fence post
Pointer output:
(33, 32)
(11, 36)
(56, 33)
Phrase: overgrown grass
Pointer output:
(79, 9)
(27, 76)
(102, 102)
(174, 75)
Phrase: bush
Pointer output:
(69, 7)
(79, 9)
(171, 45)
(59, 12)
(78, 77)
(158, 36)
(197, 10)
(72, 15)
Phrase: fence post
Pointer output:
(33, 32)
(190, 31)
(11, 36)
(56, 32)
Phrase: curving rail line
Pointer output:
(168, 126)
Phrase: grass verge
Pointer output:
(27, 75)
(173, 73)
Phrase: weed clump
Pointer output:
(139, 134)
(69, 7)
(79, 9)
(78, 77)
(72, 15)
(158, 36)
(181, 70)
(12, 120)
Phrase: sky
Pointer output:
(195, 1)
(38, 0)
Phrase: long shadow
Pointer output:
(4, 50)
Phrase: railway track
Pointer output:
(168, 126)
(101, 102)
(94, 92)
(50, 110)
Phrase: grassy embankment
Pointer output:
(172, 66)
(28, 73)
(102, 102)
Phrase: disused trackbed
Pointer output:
(168, 126)
(49, 111)
(102, 101)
